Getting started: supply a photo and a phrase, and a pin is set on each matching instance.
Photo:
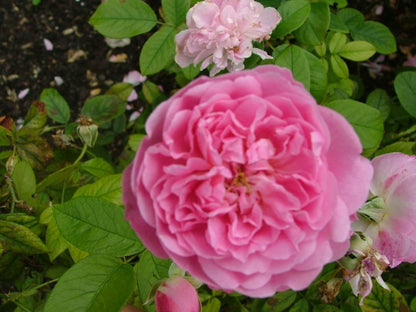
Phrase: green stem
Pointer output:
(11, 189)
(84, 150)
(21, 306)
(63, 193)
(50, 128)
(408, 132)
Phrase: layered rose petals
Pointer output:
(246, 183)
(221, 32)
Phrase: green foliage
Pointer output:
(158, 51)
(382, 300)
(97, 283)
(367, 121)
(55, 105)
(175, 10)
(97, 226)
(294, 14)
(405, 86)
(313, 31)
(123, 19)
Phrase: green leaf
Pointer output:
(19, 238)
(380, 100)
(98, 167)
(175, 10)
(135, 140)
(56, 106)
(96, 283)
(24, 180)
(54, 241)
(339, 66)
(96, 226)
(337, 24)
(280, 301)
(122, 89)
(357, 51)
(148, 271)
(36, 117)
(103, 108)
(382, 300)
(294, 58)
(190, 72)
(152, 94)
(405, 87)
(318, 77)
(76, 254)
(337, 42)
(123, 19)
(158, 51)
(108, 188)
(313, 31)
(402, 147)
(294, 14)
(351, 17)
(213, 305)
(326, 308)
(300, 306)
(367, 121)
(57, 177)
(377, 34)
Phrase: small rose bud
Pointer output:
(87, 131)
(176, 294)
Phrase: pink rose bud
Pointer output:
(389, 218)
(176, 294)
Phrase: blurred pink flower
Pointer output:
(221, 32)
(246, 182)
(390, 218)
(411, 61)
(176, 294)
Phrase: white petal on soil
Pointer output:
(23, 93)
(48, 44)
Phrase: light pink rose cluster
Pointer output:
(246, 183)
(221, 32)
(393, 211)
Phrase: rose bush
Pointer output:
(245, 182)
(393, 226)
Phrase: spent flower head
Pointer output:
(362, 264)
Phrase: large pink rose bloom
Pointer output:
(221, 32)
(394, 228)
(246, 183)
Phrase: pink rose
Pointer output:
(393, 211)
(246, 183)
(176, 294)
(221, 32)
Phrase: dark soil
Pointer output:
(25, 62)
